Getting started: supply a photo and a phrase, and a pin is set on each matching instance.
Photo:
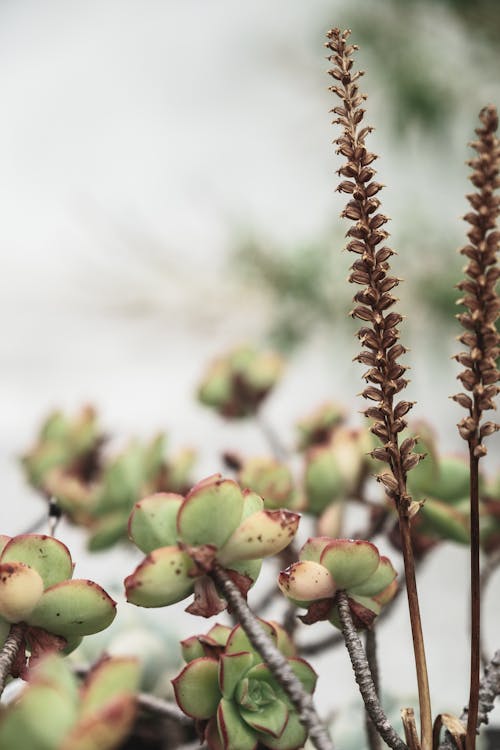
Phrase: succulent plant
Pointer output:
(103, 504)
(318, 427)
(232, 694)
(237, 383)
(326, 566)
(183, 538)
(53, 713)
(334, 470)
(70, 444)
(272, 480)
(36, 589)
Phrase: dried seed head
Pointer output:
(480, 298)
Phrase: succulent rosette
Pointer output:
(36, 589)
(272, 480)
(327, 566)
(54, 713)
(236, 384)
(184, 537)
(318, 427)
(233, 695)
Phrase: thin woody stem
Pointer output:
(475, 612)
(9, 652)
(275, 660)
(364, 677)
(374, 740)
(416, 631)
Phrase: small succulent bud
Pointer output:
(318, 427)
(236, 384)
(270, 479)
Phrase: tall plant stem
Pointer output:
(374, 741)
(417, 634)
(364, 677)
(9, 652)
(475, 613)
(275, 660)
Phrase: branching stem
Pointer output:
(364, 678)
(275, 660)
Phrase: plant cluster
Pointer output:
(246, 686)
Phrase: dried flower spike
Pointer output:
(380, 335)
(480, 373)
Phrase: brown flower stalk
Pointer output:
(380, 336)
(480, 373)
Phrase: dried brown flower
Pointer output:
(380, 338)
(480, 299)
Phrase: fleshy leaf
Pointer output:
(378, 581)
(234, 732)
(161, 579)
(249, 568)
(313, 548)
(446, 521)
(260, 535)
(55, 670)
(153, 521)
(293, 736)
(74, 608)
(306, 581)
(350, 561)
(238, 640)
(252, 503)
(104, 729)
(107, 531)
(39, 720)
(270, 719)
(197, 688)
(210, 513)
(20, 589)
(48, 556)
(3, 541)
(232, 667)
(108, 679)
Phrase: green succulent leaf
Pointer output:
(197, 688)
(105, 728)
(262, 534)
(48, 556)
(270, 719)
(293, 736)
(39, 720)
(350, 561)
(54, 670)
(211, 512)
(107, 680)
(238, 640)
(313, 548)
(108, 530)
(446, 521)
(306, 581)
(74, 608)
(378, 581)
(234, 732)
(153, 522)
(161, 579)
(252, 503)
(232, 667)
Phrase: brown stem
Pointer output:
(417, 634)
(489, 689)
(9, 652)
(373, 736)
(475, 614)
(364, 677)
(275, 660)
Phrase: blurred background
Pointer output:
(167, 191)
